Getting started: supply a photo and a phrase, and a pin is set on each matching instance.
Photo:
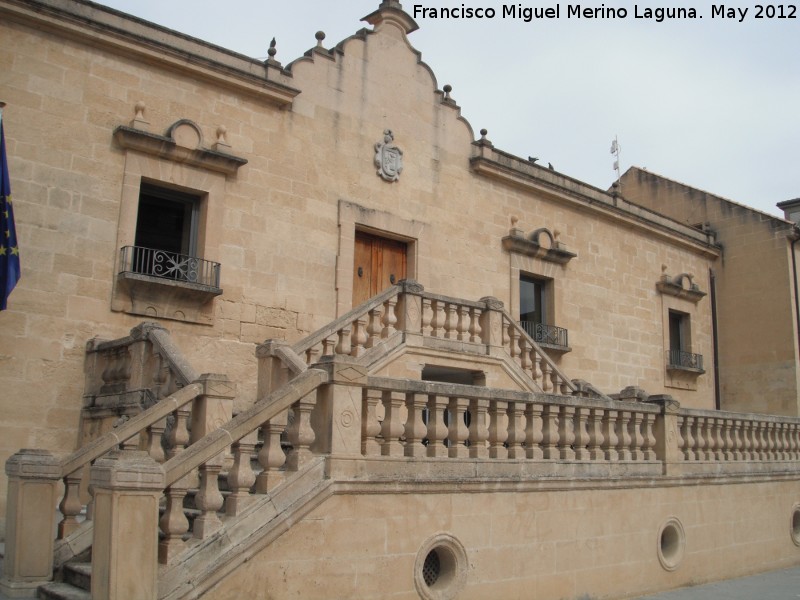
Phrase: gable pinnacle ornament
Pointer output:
(388, 157)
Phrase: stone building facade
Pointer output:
(342, 208)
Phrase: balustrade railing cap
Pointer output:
(410, 286)
(31, 463)
(127, 469)
(217, 385)
(342, 368)
(269, 347)
(142, 330)
(492, 302)
(667, 402)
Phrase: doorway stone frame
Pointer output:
(354, 217)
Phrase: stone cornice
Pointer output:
(140, 40)
(166, 147)
(518, 173)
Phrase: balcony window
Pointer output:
(679, 355)
(535, 295)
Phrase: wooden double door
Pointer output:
(379, 263)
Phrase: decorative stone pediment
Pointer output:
(682, 286)
(541, 243)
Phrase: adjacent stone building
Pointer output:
(754, 287)
(454, 371)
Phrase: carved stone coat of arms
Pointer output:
(388, 157)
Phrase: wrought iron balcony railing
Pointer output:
(169, 265)
(549, 335)
(678, 359)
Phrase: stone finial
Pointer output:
(139, 122)
(320, 36)
(222, 144)
(447, 89)
(514, 220)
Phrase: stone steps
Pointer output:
(77, 584)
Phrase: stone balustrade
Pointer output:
(421, 318)
(421, 419)
(127, 375)
(726, 437)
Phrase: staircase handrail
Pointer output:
(242, 424)
(359, 311)
(163, 342)
(565, 381)
(105, 443)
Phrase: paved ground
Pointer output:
(776, 585)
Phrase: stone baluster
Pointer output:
(533, 431)
(462, 327)
(374, 326)
(457, 428)
(427, 317)
(344, 346)
(637, 439)
(209, 499)
(550, 418)
(719, 439)
(301, 433)
(536, 367)
(754, 440)
(479, 428)
(451, 321)
(415, 429)
(271, 457)
(359, 337)
(610, 439)
(786, 452)
(737, 432)
(727, 440)
(389, 320)
(709, 432)
(525, 354)
(313, 354)
(241, 476)
(761, 437)
(475, 325)
(516, 430)
(547, 380)
(153, 445)
(370, 425)
(178, 437)
(329, 345)
(70, 505)
(513, 340)
(793, 441)
(581, 433)
(746, 442)
(437, 432)
(699, 438)
(566, 433)
(624, 435)
(774, 453)
(649, 435)
(595, 429)
(688, 443)
(438, 322)
(173, 522)
(393, 425)
(498, 429)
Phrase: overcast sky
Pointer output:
(710, 102)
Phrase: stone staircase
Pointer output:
(76, 584)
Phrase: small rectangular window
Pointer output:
(532, 301)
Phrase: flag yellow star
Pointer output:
(15, 251)
(2, 250)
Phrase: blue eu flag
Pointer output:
(9, 249)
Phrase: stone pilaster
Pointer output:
(337, 419)
(667, 447)
(33, 477)
(127, 487)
